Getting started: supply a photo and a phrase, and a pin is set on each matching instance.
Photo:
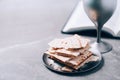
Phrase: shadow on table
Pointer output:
(92, 33)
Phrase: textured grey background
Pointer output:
(26, 26)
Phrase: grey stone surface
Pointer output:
(26, 26)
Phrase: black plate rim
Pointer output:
(49, 67)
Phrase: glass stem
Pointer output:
(99, 33)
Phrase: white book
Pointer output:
(80, 21)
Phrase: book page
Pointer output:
(114, 22)
(79, 19)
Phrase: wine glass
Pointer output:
(99, 12)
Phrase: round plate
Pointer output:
(55, 66)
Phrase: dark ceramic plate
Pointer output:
(56, 66)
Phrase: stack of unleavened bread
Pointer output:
(72, 51)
